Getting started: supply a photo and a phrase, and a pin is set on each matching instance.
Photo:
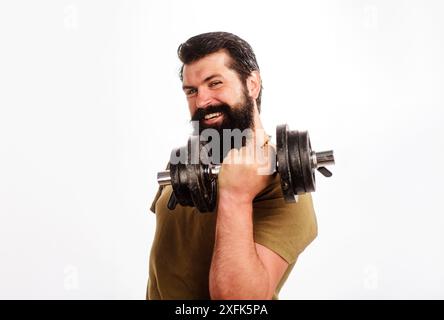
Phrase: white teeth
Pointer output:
(212, 115)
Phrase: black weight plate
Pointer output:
(201, 189)
(284, 162)
(179, 180)
(195, 187)
(208, 182)
(295, 162)
(307, 170)
(207, 190)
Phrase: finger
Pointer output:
(231, 156)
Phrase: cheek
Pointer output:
(228, 96)
(236, 93)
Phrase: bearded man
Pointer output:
(248, 246)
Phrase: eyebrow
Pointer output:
(205, 80)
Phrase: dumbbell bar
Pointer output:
(319, 160)
(195, 184)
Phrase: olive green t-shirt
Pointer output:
(183, 243)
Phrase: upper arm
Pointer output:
(274, 265)
(281, 232)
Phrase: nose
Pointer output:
(203, 99)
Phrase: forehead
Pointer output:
(214, 63)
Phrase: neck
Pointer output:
(257, 122)
(259, 130)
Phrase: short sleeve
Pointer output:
(157, 196)
(285, 228)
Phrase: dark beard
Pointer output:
(236, 117)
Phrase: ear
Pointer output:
(254, 84)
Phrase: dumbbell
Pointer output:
(194, 183)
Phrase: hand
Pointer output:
(247, 171)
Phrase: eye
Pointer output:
(190, 92)
(215, 83)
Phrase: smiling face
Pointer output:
(216, 96)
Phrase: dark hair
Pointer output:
(242, 55)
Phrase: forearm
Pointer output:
(236, 271)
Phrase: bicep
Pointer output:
(274, 265)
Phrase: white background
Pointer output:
(91, 106)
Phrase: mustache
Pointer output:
(202, 112)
